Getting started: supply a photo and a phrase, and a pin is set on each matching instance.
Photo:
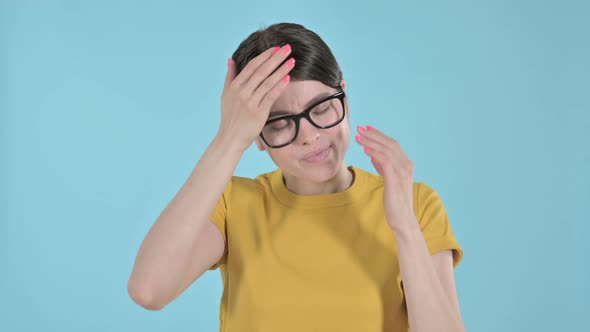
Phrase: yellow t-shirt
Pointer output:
(319, 262)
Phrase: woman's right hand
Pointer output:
(247, 98)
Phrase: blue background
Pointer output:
(106, 106)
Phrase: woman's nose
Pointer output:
(308, 133)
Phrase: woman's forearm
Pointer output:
(429, 307)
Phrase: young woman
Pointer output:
(315, 245)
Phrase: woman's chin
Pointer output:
(320, 173)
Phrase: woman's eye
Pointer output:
(281, 124)
(321, 110)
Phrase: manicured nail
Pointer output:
(360, 129)
(275, 50)
(229, 61)
(286, 78)
(291, 62)
(370, 128)
(286, 49)
(367, 149)
(358, 138)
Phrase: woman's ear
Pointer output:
(343, 85)
(259, 144)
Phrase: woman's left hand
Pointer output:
(397, 172)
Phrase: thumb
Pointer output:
(231, 72)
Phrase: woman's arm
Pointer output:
(173, 254)
(431, 296)
(182, 244)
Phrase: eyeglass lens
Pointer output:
(323, 115)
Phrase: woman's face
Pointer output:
(291, 158)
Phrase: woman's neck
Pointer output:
(340, 182)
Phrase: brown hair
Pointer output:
(314, 59)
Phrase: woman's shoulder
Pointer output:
(244, 184)
(375, 180)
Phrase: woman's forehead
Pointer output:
(300, 94)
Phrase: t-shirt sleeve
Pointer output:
(219, 218)
(434, 223)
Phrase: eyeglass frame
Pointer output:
(340, 95)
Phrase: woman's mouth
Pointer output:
(320, 155)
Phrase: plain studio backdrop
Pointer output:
(106, 107)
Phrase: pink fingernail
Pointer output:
(286, 49)
(275, 50)
(370, 128)
(358, 138)
(229, 61)
(286, 78)
(360, 129)
(367, 149)
(291, 62)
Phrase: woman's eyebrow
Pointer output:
(309, 103)
(278, 113)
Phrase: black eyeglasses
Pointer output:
(326, 113)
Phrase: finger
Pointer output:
(231, 73)
(251, 67)
(370, 136)
(371, 144)
(266, 69)
(384, 140)
(394, 153)
(271, 96)
(390, 151)
(376, 156)
(380, 161)
(271, 81)
(377, 135)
